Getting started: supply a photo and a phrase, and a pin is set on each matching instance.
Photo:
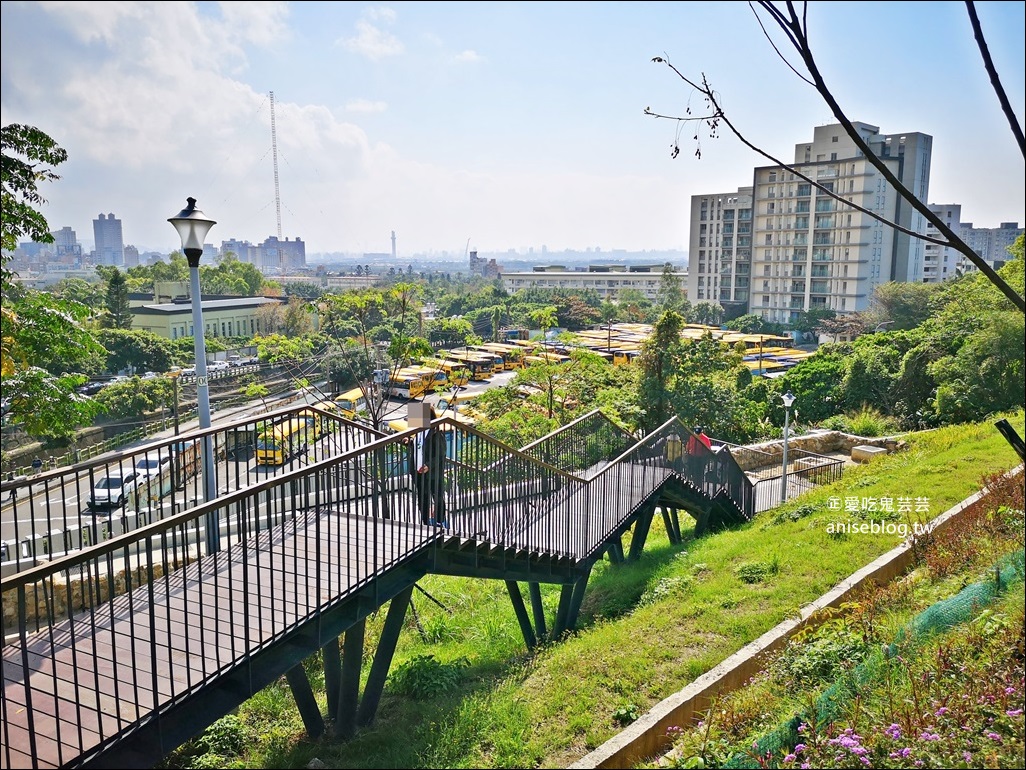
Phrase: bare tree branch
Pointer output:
(796, 31)
(995, 81)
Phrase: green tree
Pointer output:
(37, 327)
(544, 318)
(138, 350)
(608, 312)
(658, 356)
(118, 309)
(670, 295)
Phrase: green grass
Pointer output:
(952, 687)
(647, 629)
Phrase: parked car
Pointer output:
(113, 490)
(217, 366)
(152, 464)
(189, 371)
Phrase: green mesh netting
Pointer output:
(936, 618)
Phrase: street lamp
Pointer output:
(192, 226)
(788, 399)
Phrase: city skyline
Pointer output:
(509, 125)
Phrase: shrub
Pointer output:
(423, 677)
(756, 571)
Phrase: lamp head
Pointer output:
(788, 399)
(192, 226)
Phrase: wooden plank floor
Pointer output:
(84, 681)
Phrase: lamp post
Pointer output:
(192, 226)
(788, 399)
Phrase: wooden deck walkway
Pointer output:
(78, 687)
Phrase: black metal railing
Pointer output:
(156, 609)
(583, 444)
(63, 510)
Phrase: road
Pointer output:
(60, 504)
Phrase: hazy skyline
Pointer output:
(513, 125)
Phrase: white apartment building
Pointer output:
(991, 243)
(720, 250)
(607, 280)
(809, 250)
(941, 262)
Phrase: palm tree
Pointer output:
(608, 313)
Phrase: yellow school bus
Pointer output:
(351, 403)
(435, 379)
(455, 372)
(408, 386)
(282, 440)
(478, 364)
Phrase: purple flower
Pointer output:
(799, 748)
(789, 758)
(1014, 712)
(893, 732)
(1009, 690)
(929, 737)
(905, 752)
(941, 711)
(994, 736)
(968, 758)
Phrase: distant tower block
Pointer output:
(393, 244)
(475, 263)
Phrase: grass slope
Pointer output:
(463, 692)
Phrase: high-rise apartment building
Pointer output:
(720, 251)
(110, 245)
(941, 262)
(991, 243)
(809, 250)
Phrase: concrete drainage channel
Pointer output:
(647, 736)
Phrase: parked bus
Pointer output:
(435, 379)
(352, 403)
(456, 373)
(498, 362)
(479, 366)
(509, 355)
(281, 441)
(407, 386)
(459, 405)
(324, 423)
(514, 354)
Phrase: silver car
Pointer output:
(113, 491)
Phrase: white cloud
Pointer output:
(372, 41)
(365, 105)
(467, 56)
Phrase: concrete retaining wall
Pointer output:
(647, 736)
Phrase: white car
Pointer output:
(152, 464)
(217, 366)
(113, 491)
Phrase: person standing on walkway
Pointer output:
(426, 460)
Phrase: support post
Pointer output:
(303, 693)
(521, 612)
(566, 593)
(615, 550)
(675, 519)
(668, 524)
(349, 687)
(383, 657)
(641, 533)
(578, 598)
(538, 609)
(332, 674)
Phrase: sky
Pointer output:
(492, 126)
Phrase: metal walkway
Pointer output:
(117, 653)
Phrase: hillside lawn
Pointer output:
(464, 693)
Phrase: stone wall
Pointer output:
(822, 442)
